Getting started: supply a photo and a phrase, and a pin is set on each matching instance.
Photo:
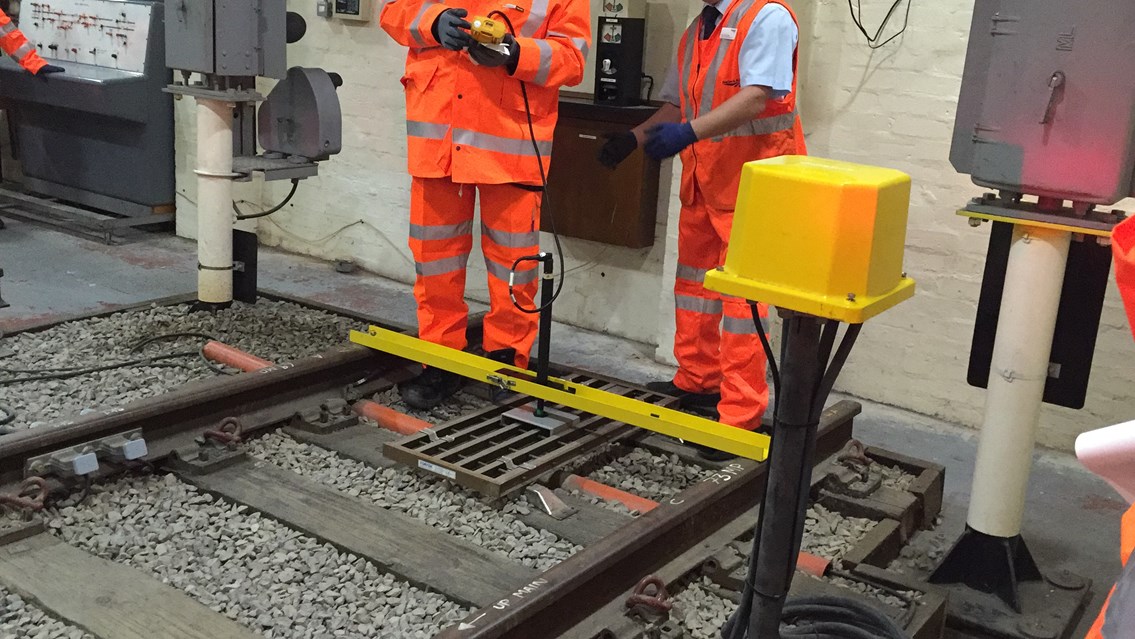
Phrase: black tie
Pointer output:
(709, 17)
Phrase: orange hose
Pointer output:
(610, 493)
(389, 418)
(812, 564)
(234, 357)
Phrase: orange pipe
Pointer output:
(812, 564)
(610, 493)
(234, 357)
(389, 418)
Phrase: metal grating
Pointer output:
(480, 452)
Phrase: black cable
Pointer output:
(546, 202)
(44, 374)
(7, 415)
(812, 617)
(253, 216)
(873, 41)
(824, 617)
(841, 355)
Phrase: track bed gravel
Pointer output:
(275, 331)
(21, 620)
(830, 534)
(250, 568)
(433, 501)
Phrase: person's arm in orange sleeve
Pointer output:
(559, 59)
(410, 22)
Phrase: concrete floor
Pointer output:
(1072, 517)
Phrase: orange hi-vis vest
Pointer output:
(16, 45)
(468, 122)
(1117, 619)
(709, 74)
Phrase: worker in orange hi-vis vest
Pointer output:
(1117, 619)
(472, 130)
(16, 45)
(729, 99)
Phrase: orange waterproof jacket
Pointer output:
(468, 122)
(1117, 619)
(708, 75)
(16, 45)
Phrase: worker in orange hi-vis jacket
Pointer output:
(730, 98)
(1117, 619)
(471, 130)
(16, 45)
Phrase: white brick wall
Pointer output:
(892, 107)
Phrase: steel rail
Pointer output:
(261, 400)
(574, 589)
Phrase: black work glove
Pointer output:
(48, 69)
(452, 30)
(487, 57)
(618, 147)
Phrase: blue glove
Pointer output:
(668, 139)
(452, 30)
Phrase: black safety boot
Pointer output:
(686, 399)
(431, 388)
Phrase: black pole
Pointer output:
(544, 336)
(777, 543)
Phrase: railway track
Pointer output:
(264, 505)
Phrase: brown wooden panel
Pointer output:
(592, 202)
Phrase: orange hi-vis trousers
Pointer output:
(441, 238)
(716, 340)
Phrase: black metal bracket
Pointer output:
(995, 565)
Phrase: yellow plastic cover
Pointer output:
(818, 236)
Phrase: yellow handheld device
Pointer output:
(486, 30)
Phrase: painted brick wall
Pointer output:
(891, 107)
(895, 107)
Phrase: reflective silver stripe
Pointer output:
(417, 20)
(535, 19)
(502, 272)
(442, 266)
(529, 239)
(741, 326)
(24, 49)
(762, 126)
(8, 27)
(441, 231)
(710, 84)
(697, 304)
(427, 130)
(578, 43)
(686, 67)
(691, 274)
(489, 142)
(545, 67)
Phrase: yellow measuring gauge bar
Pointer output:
(666, 421)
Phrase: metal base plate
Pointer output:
(1050, 609)
(554, 421)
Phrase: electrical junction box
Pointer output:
(354, 10)
(1047, 105)
(227, 38)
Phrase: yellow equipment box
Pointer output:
(818, 236)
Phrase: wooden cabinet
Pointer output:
(588, 200)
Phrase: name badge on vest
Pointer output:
(728, 33)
